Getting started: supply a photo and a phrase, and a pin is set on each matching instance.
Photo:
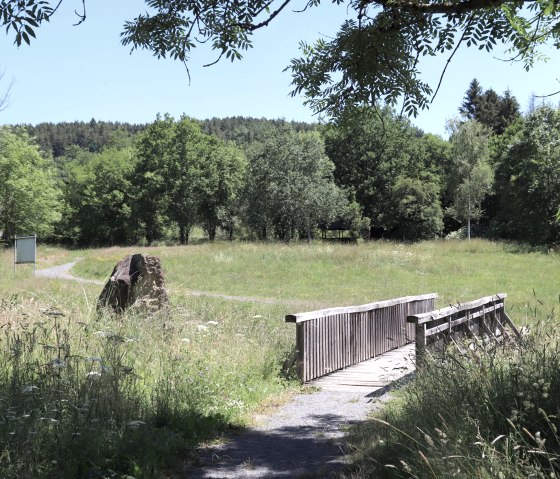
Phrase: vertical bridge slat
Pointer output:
(332, 339)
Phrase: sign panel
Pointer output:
(25, 249)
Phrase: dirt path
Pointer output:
(304, 438)
(63, 272)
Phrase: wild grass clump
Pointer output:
(481, 411)
(83, 395)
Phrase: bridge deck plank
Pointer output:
(372, 374)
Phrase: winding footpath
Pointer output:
(62, 272)
(303, 438)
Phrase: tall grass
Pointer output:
(83, 395)
(477, 412)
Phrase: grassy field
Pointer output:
(320, 275)
(132, 396)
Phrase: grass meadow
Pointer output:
(83, 395)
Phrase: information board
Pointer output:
(25, 249)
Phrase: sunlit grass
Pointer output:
(477, 412)
(335, 275)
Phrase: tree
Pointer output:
(374, 57)
(469, 107)
(98, 198)
(471, 175)
(529, 176)
(493, 111)
(222, 180)
(416, 208)
(184, 177)
(29, 194)
(372, 155)
(290, 186)
(151, 195)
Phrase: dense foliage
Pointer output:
(471, 174)
(371, 172)
(92, 136)
(490, 109)
(529, 179)
(393, 171)
(290, 186)
(29, 192)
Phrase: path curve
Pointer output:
(63, 272)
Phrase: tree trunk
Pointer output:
(469, 220)
(182, 235)
(308, 231)
(212, 233)
(149, 236)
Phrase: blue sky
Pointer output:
(78, 73)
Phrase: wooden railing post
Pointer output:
(420, 342)
(300, 351)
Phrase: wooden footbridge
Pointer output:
(370, 346)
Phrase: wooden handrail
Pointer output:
(486, 315)
(454, 309)
(323, 313)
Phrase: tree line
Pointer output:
(371, 171)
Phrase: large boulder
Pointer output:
(136, 281)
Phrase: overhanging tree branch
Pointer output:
(444, 8)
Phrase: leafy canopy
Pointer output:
(29, 194)
(374, 57)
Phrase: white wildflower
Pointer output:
(28, 389)
(135, 424)
(213, 323)
(93, 374)
(201, 327)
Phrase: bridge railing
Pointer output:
(335, 338)
(482, 317)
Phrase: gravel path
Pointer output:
(302, 438)
(63, 272)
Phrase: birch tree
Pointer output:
(471, 177)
